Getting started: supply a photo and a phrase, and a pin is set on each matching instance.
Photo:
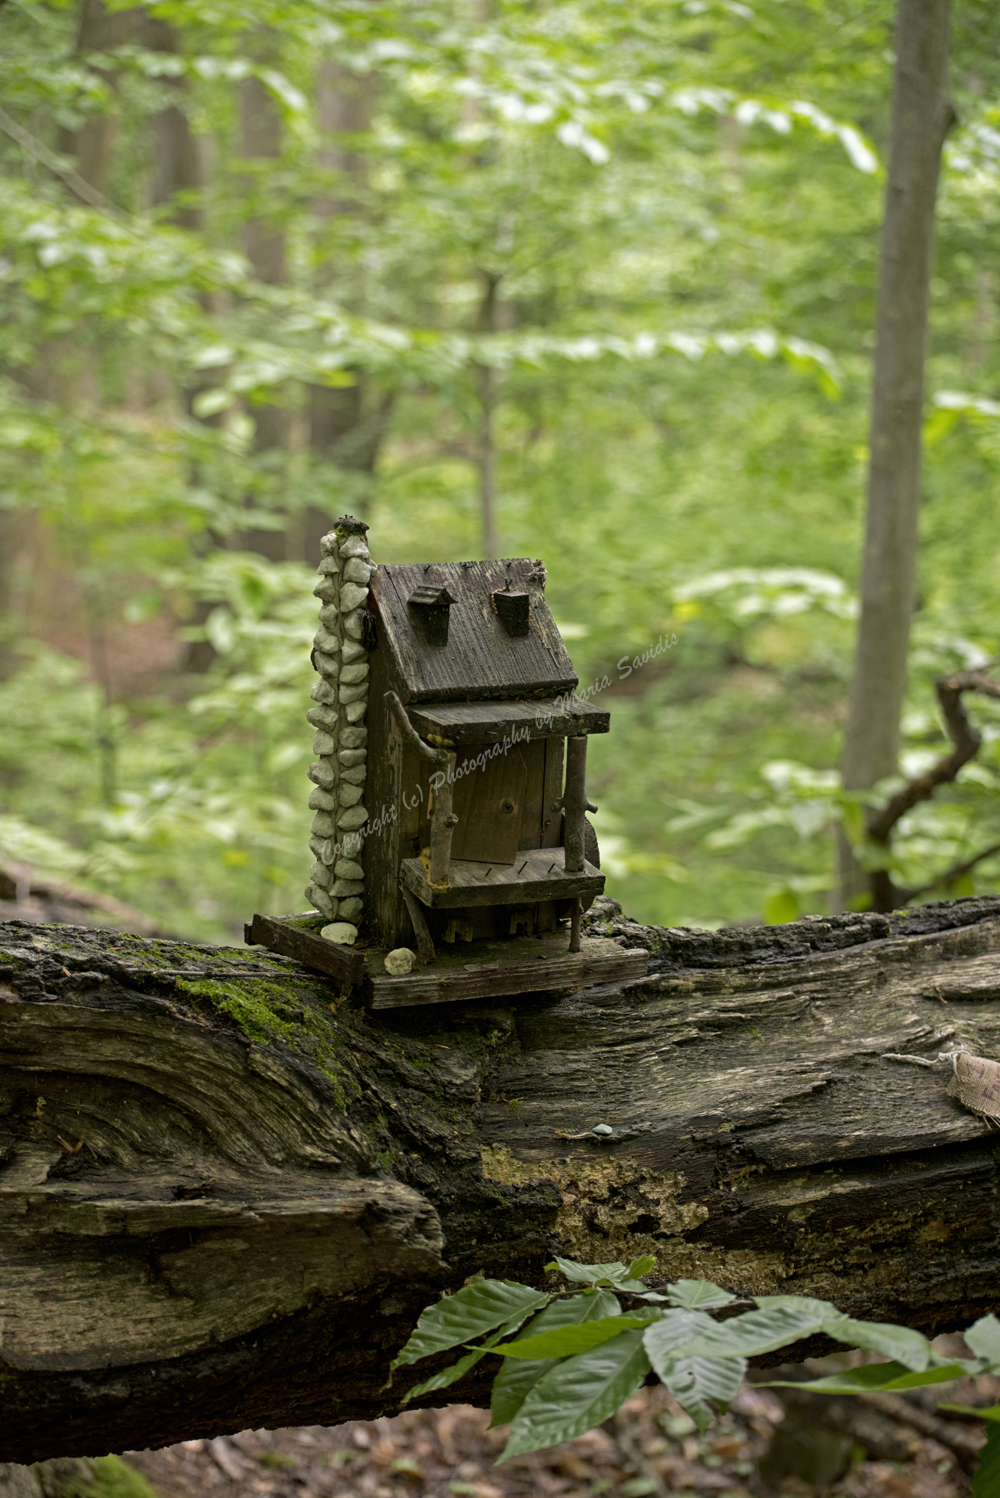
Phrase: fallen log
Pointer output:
(225, 1193)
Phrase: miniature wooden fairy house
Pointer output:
(449, 780)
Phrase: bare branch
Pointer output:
(950, 875)
(967, 741)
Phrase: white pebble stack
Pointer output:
(340, 701)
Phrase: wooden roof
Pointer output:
(481, 661)
(476, 722)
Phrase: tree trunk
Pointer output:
(178, 185)
(178, 174)
(226, 1194)
(487, 380)
(346, 423)
(921, 117)
(93, 143)
(264, 246)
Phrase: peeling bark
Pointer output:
(271, 1184)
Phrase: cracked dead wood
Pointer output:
(271, 1184)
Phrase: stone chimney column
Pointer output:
(340, 701)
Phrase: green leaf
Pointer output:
(567, 1341)
(797, 1303)
(211, 402)
(875, 1376)
(781, 907)
(578, 1394)
(591, 1274)
(986, 1483)
(518, 1375)
(991, 1412)
(448, 1376)
(692, 1381)
(897, 1342)
(755, 1332)
(675, 1329)
(983, 1336)
(645, 1264)
(471, 1311)
(695, 1294)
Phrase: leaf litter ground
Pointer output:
(649, 1448)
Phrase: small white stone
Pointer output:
(321, 875)
(353, 693)
(341, 932)
(320, 900)
(354, 672)
(324, 640)
(329, 566)
(355, 546)
(329, 544)
(354, 775)
(322, 717)
(352, 597)
(326, 665)
(352, 818)
(346, 868)
(322, 848)
(399, 961)
(351, 909)
(353, 737)
(328, 615)
(320, 800)
(323, 825)
(321, 772)
(321, 691)
(323, 743)
(353, 756)
(355, 711)
(347, 887)
(326, 589)
(352, 651)
(349, 795)
(352, 622)
(357, 571)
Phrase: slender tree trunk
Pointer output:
(62, 370)
(178, 173)
(488, 403)
(921, 117)
(93, 142)
(178, 185)
(264, 246)
(346, 425)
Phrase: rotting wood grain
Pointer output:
(268, 1191)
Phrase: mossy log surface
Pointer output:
(225, 1194)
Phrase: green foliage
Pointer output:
(113, 1478)
(987, 1478)
(678, 206)
(582, 1355)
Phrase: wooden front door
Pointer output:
(489, 801)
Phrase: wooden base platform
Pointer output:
(467, 970)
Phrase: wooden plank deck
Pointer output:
(536, 874)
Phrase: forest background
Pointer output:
(588, 282)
